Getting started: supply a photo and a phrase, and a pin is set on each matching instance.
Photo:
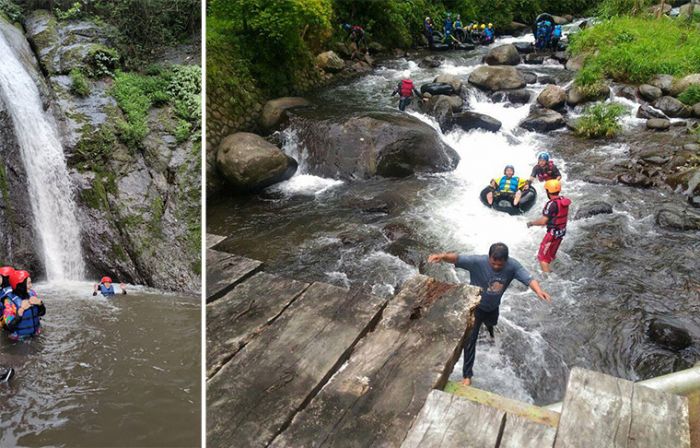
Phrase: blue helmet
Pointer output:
(508, 166)
(347, 27)
(544, 155)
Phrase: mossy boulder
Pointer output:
(497, 78)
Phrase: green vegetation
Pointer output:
(611, 8)
(79, 83)
(74, 12)
(634, 49)
(102, 61)
(11, 10)
(600, 120)
(691, 95)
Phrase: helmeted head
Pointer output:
(483, 27)
(21, 283)
(106, 281)
(347, 27)
(5, 272)
(509, 170)
(498, 256)
(458, 17)
(490, 25)
(543, 158)
(427, 19)
(553, 187)
(475, 27)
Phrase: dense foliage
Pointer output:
(691, 95)
(633, 49)
(600, 120)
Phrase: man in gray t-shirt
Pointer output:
(493, 274)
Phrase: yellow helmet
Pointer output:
(475, 26)
(483, 26)
(490, 25)
(552, 186)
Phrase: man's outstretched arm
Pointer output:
(535, 286)
(449, 257)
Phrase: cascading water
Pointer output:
(48, 183)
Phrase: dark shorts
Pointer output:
(548, 248)
(489, 318)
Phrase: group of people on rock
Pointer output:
(547, 35)
(494, 272)
(454, 31)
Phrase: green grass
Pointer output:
(600, 120)
(79, 83)
(691, 95)
(634, 49)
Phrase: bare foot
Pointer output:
(467, 382)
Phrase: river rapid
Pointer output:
(614, 273)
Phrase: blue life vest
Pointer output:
(30, 323)
(448, 25)
(105, 291)
(508, 186)
(557, 32)
(4, 293)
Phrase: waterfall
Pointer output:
(49, 186)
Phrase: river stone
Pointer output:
(696, 110)
(560, 20)
(598, 180)
(669, 334)
(684, 10)
(656, 8)
(575, 96)
(638, 180)
(679, 86)
(589, 209)
(497, 78)
(375, 47)
(520, 96)
(575, 63)
(472, 120)
(649, 92)
(524, 47)
(694, 201)
(330, 62)
(384, 144)
(529, 77)
(546, 79)
(552, 97)
(441, 107)
(430, 62)
(628, 92)
(647, 112)
(560, 56)
(663, 82)
(543, 120)
(503, 55)
(342, 49)
(672, 107)
(452, 80)
(249, 162)
(535, 59)
(274, 113)
(658, 124)
(455, 103)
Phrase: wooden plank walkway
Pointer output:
(373, 400)
(236, 318)
(213, 240)
(225, 270)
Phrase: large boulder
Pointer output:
(520, 96)
(649, 92)
(503, 55)
(249, 162)
(441, 107)
(645, 111)
(430, 62)
(678, 217)
(472, 120)
(561, 20)
(658, 124)
(672, 107)
(274, 113)
(575, 95)
(663, 82)
(594, 208)
(543, 120)
(575, 63)
(552, 97)
(680, 85)
(497, 78)
(330, 62)
(385, 144)
(517, 28)
(524, 47)
(452, 80)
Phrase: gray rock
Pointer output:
(546, 79)
(543, 120)
(524, 47)
(658, 124)
(535, 59)
(598, 180)
(529, 77)
(503, 55)
(430, 62)
(518, 29)
(274, 113)
(497, 78)
(330, 62)
(520, 96)
(649, 92)
(575, 96)
(576, 63)
(552, 97)
(646, 111)
(672, 107)
(628, 92)
(473, 120)
(656, 9)
(669, 334)
(638, 180)
(560, 56)
(249, 162)
(685, 10)
(679, 86)
(663, 82)
(452, 80)
(560, 20)
(589, 209)
(696, 110)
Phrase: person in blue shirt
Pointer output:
(448, 29)
(493, 274)
(106, 288)
(556, 35)
(459, 32)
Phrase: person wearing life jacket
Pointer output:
(554, 216)
(458, 29)
(106, 288)
(405, 89)
(428, 28)
(556, 35)
(508, 186)
(5, 289)
(545, 168)
(489, 34)
(23, 308)
(447, 29)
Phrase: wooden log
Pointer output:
(374, 399)
(213, 240)
(448, 421)
(225, 270)
(236, 318)
(256, 394)
(658, 419)
(520, 432)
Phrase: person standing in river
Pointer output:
(106, 288)
(554, 216)
(23, 309)
(493, 274)
(406, 90)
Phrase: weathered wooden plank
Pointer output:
(596, 412)
(531, 412)
(694, 418)
(520, 432)
(658, 419)
(225, 270)
(373, 400)
(213, 240)
(256, 394)
(448, 421)
(233, 320)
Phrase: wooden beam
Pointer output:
(225, 270)
(213, 240)
(520, 432)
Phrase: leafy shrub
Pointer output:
(79, 83)
(611, 8)
(185, 88)
(182, 131)
(102, 61)
(11, 10)
(74, 12)
(600, 120)
(691, 95)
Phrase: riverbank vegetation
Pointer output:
(600, 120)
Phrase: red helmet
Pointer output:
(5, 271)
(17, 277)
(106, 280)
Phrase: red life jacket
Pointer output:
(546, 173)
(357, 28)
(406, 88)
(557, 224)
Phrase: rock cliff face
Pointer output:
(139, 208)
